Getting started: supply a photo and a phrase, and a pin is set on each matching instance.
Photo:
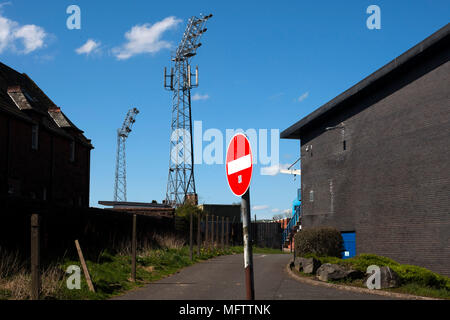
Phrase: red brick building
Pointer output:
(43, 155)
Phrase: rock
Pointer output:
(292, 263)
(309, 265)
(389, 278)
(355, 274)
(330, 271)
(297, 264)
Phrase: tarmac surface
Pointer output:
(222, 278)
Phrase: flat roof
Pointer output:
(294, 131)
(121, 204)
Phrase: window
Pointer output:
(72, 151)
(29, 98)
(311, 196)
(344, 145)
(35, 137)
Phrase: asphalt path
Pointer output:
(223, 278)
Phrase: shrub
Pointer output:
(413, 274)
(182, 218)
(324, 241)
(364, 260)
(324, 259)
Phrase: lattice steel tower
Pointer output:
(120, 186)
(181, 182)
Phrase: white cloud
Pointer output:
(89, 47)
(32, 36)
(258, 208)
(286, 211)
(146, 38)
(197, 97)
(276, 210)
(6, 34)
(273, 170)
(303, 97)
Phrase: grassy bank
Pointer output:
(413, 279)
(110, 271)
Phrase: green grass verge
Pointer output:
(413, 279)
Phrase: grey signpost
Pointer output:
(248, 254)
(239, 167)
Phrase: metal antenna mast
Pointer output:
(181, 183)
(120, 186)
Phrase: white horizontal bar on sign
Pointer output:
(239, 164)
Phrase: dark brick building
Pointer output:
(43, 155)
(376, 159)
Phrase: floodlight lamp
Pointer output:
(206, 17)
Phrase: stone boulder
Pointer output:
(389, 278)
(355, 274)
(292, 263)
(297, 264)
(330, 271)
(308, 265)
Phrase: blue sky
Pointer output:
(263, 65)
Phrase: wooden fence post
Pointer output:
(227, 240)
(133, 250)
(206, 231)
(232, 232)
(35, 257)
(85, 268)
(212, 231)
(217, 233)
(222, 244)
(191, 231)
(199, 239)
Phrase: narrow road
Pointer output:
(222, 278)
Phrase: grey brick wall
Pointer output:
(392, 183)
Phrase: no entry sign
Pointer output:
(239, 164)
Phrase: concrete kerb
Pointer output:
(313, 282)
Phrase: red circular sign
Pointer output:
(239, 164)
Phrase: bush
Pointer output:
(182, 218)
(364, 260)
(324, 241)
(413, 274)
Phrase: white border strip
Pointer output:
(239, 164)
